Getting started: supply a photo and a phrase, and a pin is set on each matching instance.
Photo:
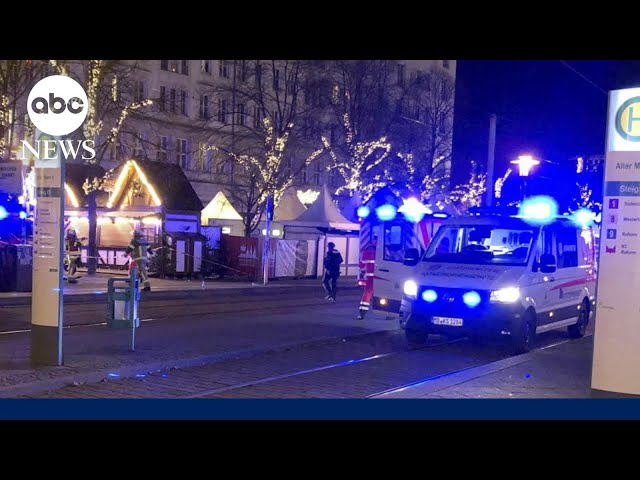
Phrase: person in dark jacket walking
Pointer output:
(332, 262)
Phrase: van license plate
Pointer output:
(451, 322)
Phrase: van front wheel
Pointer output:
(415, 338)
(524, 337)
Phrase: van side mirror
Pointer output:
(411, 257)
(547, 263)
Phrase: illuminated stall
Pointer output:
(156, 199)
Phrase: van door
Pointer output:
(541, 284)
(389, 267)
(571, 275)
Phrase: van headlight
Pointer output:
(506, 295)
(410, 288)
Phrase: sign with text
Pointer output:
(616, 356)
(46, 303)
(11, 178)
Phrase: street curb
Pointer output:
(173, 294)
(113, 374)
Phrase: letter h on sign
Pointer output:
(631, 119)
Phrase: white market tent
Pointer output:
(324, 214)
(219, 212)
(321, 223)
(289, 207)
(219, 209)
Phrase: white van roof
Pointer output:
(502, 220)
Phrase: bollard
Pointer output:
(123, 296)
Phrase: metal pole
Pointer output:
(133, 310)
(265, 249)
(491, 159)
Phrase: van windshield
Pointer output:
(482, 244)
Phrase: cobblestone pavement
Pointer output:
(354, 368)
(183, 338)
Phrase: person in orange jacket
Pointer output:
(367, 266)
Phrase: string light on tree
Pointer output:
(363, 157)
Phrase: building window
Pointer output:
(138, 146)
(258, 75)
(290, 87)
(163, 147)
(204, 107)
(401, 70)
(116, 153)
(205, 66)
(182, 157)
(222, 110)
(445, 64)
(208, 161)
(317, 173)
(276, 79)
(164, 65)
(307, 93)
(173, 66)
(257, 118)
(183, 103)
(243, 70)
(221, 164)
(201, 157)
(138, 91)
(172, 100)
(163, 99)
(185, 67)
(224, 68)
(240, 119)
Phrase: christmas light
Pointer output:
(119, 183)
(500, 183)
(146, 183)
(72, 196)
(579, 165)
(361, 160)
(308, 197)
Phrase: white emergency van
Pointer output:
(500, 276)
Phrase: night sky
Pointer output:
(543, 107)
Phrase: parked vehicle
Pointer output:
(500, 276)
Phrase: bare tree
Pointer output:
(263, 176)
(363, 112)
(265, 119)
(17, 77)
(423, 134)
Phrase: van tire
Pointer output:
(416, 338)
(526, 334)
(577, 330)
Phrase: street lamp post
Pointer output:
(525, 163)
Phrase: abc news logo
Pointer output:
(75, 105)
(58, 105)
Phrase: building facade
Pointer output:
(200, 104)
